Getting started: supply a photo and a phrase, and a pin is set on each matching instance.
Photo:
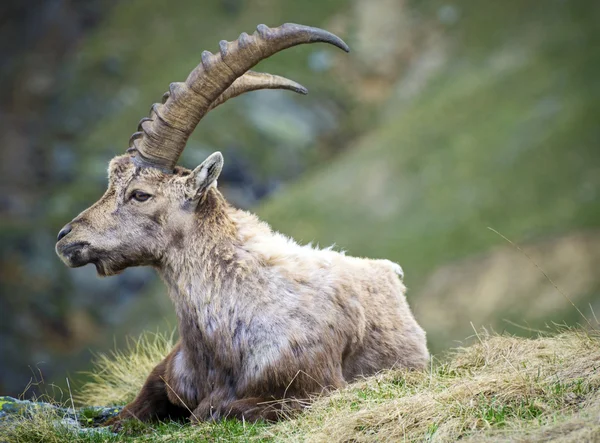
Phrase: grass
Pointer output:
(118, 376)
(502, 387)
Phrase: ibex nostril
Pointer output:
(64, 231)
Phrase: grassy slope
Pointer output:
(500, 388)
(505, 135)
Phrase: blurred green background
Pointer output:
(445, 119)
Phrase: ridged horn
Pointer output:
(253, 81)
(162, 137)
(250, 81)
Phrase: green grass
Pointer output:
(502, 387)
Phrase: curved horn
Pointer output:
(250, 81)
(161, 138)
(253, 81)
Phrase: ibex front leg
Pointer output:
(152, 403)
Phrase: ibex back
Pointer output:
(261, 318)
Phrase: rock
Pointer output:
(88, 419)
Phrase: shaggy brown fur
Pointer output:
(261, 318)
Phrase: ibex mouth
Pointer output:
(73, 254)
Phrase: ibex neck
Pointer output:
(210, 259)
(206, 275)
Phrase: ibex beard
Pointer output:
(264, 323)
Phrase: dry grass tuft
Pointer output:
(118, 376)
(502, 387)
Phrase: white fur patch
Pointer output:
(396, 267)
(183, 387)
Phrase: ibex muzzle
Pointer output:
(261, 318)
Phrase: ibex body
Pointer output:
(261, 318)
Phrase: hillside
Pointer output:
(501, 388)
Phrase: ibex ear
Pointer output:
(206, 175)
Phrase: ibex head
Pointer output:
(143, 211)
(151, 202)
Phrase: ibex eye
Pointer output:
(140, 196)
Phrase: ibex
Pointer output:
(262, 320)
